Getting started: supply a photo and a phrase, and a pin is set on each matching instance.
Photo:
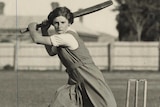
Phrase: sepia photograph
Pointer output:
(79, 53)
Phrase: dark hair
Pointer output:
(61, 11)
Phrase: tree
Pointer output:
(136, 18)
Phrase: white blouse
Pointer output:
(66, 39)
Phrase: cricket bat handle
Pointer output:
(26, 29)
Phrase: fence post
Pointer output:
(15, 60)
(159, 55)
(110, 57)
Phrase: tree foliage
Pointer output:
(138, 20)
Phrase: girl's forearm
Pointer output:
(34, 35)
(32, 30)
(52, 50)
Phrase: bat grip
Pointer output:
(26, 29)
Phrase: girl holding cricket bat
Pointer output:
(86, 86)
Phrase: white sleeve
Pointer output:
(67, 40)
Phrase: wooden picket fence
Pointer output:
(120, 56)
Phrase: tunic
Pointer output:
(86, 86)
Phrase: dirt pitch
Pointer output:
(36, 88)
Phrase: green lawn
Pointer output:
(35, 89)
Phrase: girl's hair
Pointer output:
(61, 11)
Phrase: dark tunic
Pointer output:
(86, 85)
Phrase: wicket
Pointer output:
(136, 82)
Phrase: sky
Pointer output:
(102, 21)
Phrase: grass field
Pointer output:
(35, 89)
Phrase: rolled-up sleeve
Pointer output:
(66, 40)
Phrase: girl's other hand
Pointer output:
(45, 25)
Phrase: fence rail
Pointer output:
(115, 56)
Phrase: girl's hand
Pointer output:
(32, 26)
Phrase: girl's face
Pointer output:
(61, 24)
